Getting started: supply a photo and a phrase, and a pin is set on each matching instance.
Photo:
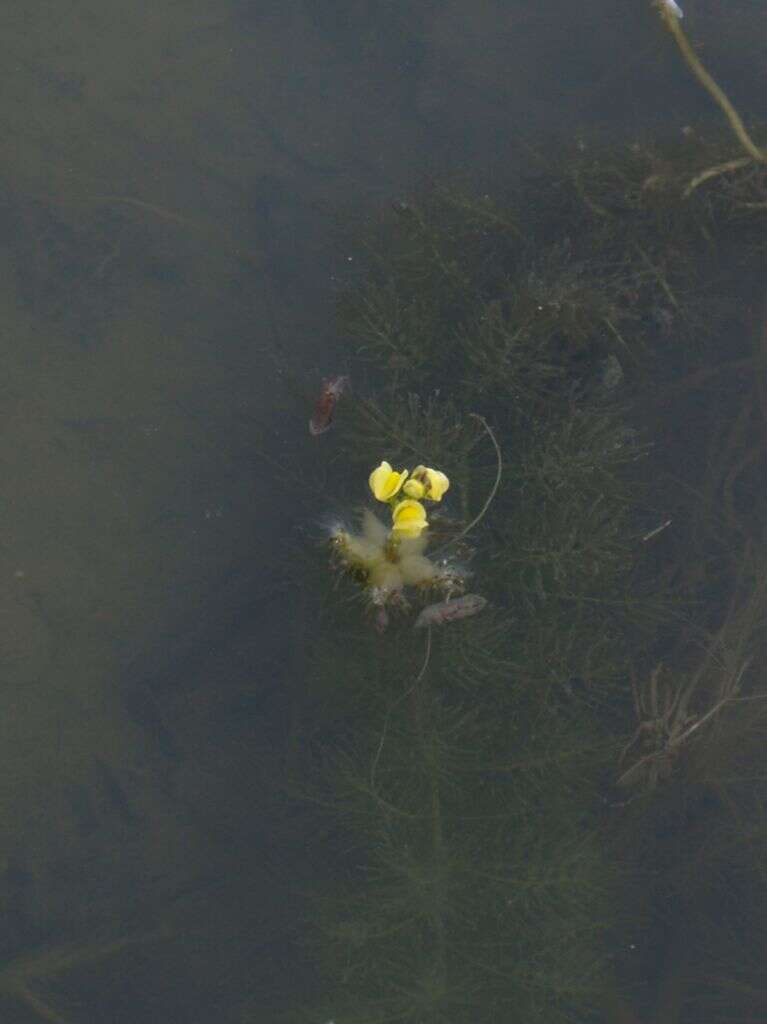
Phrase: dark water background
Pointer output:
(172, 178)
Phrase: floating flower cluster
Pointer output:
(387, 560)
(408, 514)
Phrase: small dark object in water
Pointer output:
(332, 389)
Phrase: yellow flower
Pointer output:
(414, 488)
(409, 518)
(385, 482)
(433, 482)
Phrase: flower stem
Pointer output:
(671, 21)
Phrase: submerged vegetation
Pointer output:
(494, 815)
(515, 812)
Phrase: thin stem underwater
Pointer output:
(402, 696)
(493, 490)
(710, 85)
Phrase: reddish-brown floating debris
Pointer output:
(448, 611)
(332, 389)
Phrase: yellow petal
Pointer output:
(408, 529)
(434, 482)
(378, 477)
(414, 489)
(438, 484)
(385, 482)
(409, 518)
